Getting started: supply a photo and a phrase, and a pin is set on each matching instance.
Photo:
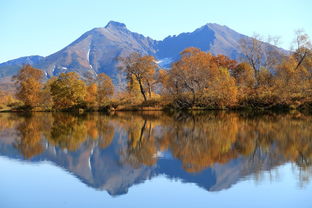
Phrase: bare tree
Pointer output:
(253, 52)
(302, 47)
(259, 53)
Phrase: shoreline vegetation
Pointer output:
(267, 78)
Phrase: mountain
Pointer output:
(96, 51)
(214, 38)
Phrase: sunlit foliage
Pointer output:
(28, 81)
(68, 91)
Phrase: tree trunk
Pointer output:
(142, 90)
(301, 60)
(149, 90)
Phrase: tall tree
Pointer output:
(28, 82)
(142, 68)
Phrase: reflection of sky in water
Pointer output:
(40, 185)
(155, 160)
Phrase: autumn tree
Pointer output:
(6, 99)
(245, 80)
(28, 82)
(264, 93)
(133, 89)
(189, 76)
(293, 82)
(200, 78)
(46, 97)
(294, 75)
(142, 68)
(105, 89)
(68, 91)
(91, 95)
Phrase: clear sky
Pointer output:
(42, 27)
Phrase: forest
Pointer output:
(267, 77)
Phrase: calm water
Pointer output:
(155, 160)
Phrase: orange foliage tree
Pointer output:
(200, 79)
(29, 86)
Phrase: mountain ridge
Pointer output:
(96, 50)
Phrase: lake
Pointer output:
(154, 159)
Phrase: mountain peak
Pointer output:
(114, 24)
(98, 48)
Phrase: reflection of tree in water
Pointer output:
(106, 131)
(31, 132)
(199, 140)
(68, 131)
(141, 148)
(202, 141)
(273, 139)
(304, 175)
(8, 121)
(65, 131)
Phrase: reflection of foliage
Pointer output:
(68, 131)
(62, 130)
(7, 121)
(199, 140)
(203, 141)
(31, 133)
(141, 144)
(106, 131)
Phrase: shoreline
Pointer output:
(277, 109)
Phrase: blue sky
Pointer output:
(42, 27)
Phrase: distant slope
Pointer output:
(96, 51)
(11, 67)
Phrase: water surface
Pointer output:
(152, 159)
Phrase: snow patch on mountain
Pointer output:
(165, 62)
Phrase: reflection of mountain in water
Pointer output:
(114, 153)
